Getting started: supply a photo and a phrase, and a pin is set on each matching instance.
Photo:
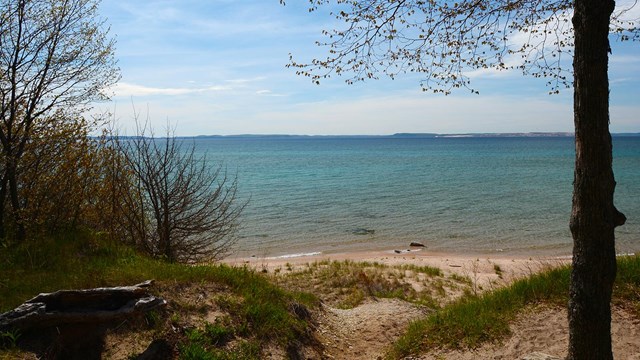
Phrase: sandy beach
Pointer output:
(481, 268)
(366, 331)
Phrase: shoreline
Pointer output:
(388, 255)
(482, 269)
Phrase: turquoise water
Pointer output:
(462, 195)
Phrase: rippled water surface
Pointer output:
(508, 195)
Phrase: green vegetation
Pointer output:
(473, 320)
(626, 290)
(347, 284)
(206, 344)
(245, 350)
(259, 312)
(256, 313)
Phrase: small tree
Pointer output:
(443, 40)
(177, 207)
(58, 175)
(54, 55)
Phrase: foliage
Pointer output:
(9, 339)
(446, 41)
(58, 176)
(55, 59)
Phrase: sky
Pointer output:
(218, 67)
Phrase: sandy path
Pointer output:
(366, 331)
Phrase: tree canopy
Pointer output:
(56, 58)
(444, 40)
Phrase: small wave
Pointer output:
(288, 256)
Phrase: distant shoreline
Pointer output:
(392, 136)
(402, 136)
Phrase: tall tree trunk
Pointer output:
(16, 207)
(593, 217)
(3, 198)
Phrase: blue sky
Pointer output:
(218, 67)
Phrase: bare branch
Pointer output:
(179, 208)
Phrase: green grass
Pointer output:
(265, 312)
(210, 342)
(473, 320)
(245, 350)
(347, 284)
(626, 290)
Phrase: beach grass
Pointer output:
(347, 284)
(473, 320)
(261, 311)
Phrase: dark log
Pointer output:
(91, 306)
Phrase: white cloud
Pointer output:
(269, 93)
(246, 81)
(234, 81)
(124, 89)
(376, 115)
(419, 113)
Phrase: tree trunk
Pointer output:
(3, 197)
(593, 217)
(20, 231)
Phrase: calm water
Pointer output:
(484, 195)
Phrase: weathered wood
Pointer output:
(65, 307)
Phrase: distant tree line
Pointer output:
(56, 59)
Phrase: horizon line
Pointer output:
(410, 134)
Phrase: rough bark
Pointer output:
(92, 306)
(593, 216)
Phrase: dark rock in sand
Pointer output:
(416, 244)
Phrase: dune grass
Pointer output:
(347, 284)
(474, 320)
(264, 312)
(626, 291)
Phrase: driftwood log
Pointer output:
(93, 306)
(71, 324)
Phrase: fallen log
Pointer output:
(91, 306)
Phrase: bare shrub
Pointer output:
(175, 206)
